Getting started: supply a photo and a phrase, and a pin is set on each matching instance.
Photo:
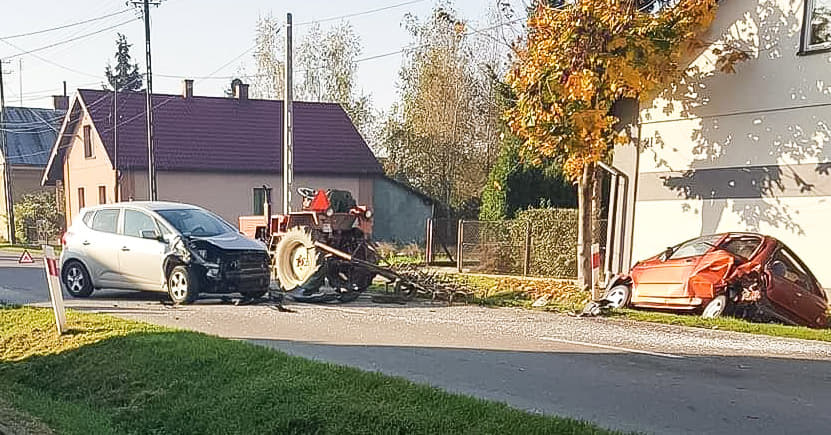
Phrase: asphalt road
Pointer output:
(619, 374)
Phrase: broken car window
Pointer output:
(743, 246)
(694, 247)
(793, 271)
(196, 222)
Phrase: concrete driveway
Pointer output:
(619, 374)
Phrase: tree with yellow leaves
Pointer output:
(576, 62)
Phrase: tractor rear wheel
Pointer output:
(296, 259)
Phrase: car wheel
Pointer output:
(715, 308)
(618, 296)
(182, 285)
(76, 279)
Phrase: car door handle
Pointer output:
(85, 243)
(798, 294)
(124, 248)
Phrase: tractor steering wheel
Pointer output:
(307, 192)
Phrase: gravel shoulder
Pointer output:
(433, 324)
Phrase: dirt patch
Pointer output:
(14, 422)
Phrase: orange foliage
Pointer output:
(581, 59)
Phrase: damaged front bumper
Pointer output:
(224, 270)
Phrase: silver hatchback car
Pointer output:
(161, 246)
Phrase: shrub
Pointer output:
(553, 241)
(35, 213)
(499, 245)
(398, 254)
(514, 185)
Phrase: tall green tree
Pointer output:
(125, 76)
(443, 136)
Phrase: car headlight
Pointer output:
(368, 214)
(330, 212)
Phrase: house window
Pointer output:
(87, 141)
(816, 29)
(102, 194)
(81, 202)
(259, 201)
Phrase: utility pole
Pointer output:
(288, 125)
(20, 78)
(117, 192)
(151, 155)
(7, 176)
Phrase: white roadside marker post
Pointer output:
(50, 265)
(597, 291)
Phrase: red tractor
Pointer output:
(327, 242)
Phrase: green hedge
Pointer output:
(37, 210)
(553, 241)
(500, 245)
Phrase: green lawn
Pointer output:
(725, 324)
(115, 376)
(20, 248)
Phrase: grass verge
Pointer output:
(725, 324)
(565, 297)
(20, 248)
(115, 376)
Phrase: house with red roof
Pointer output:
(218, 152)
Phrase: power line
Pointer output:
(43, 59)
(356, 14)
(67, 40)
(65, 26)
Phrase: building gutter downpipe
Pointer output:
(614, 195)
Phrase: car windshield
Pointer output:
(694, 247)
(196, 222)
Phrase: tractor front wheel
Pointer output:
(295, 259)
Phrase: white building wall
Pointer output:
(742, 152)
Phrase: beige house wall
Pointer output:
(231, 195)
(87, 173)
(748, 151)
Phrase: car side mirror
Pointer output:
(667, 253)
(151, 235)
(778, 268)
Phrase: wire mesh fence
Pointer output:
(441, 241)
(36, 232)
(494, 246)
(543, 243)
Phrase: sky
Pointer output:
(192, 38)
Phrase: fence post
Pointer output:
(428, 249)
(460, 245)
(526, 263)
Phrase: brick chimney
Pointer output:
(61, 102)
(187, 88)
(241, 91)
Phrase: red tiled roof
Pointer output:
(225, 134)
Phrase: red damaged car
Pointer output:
(742, 274)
